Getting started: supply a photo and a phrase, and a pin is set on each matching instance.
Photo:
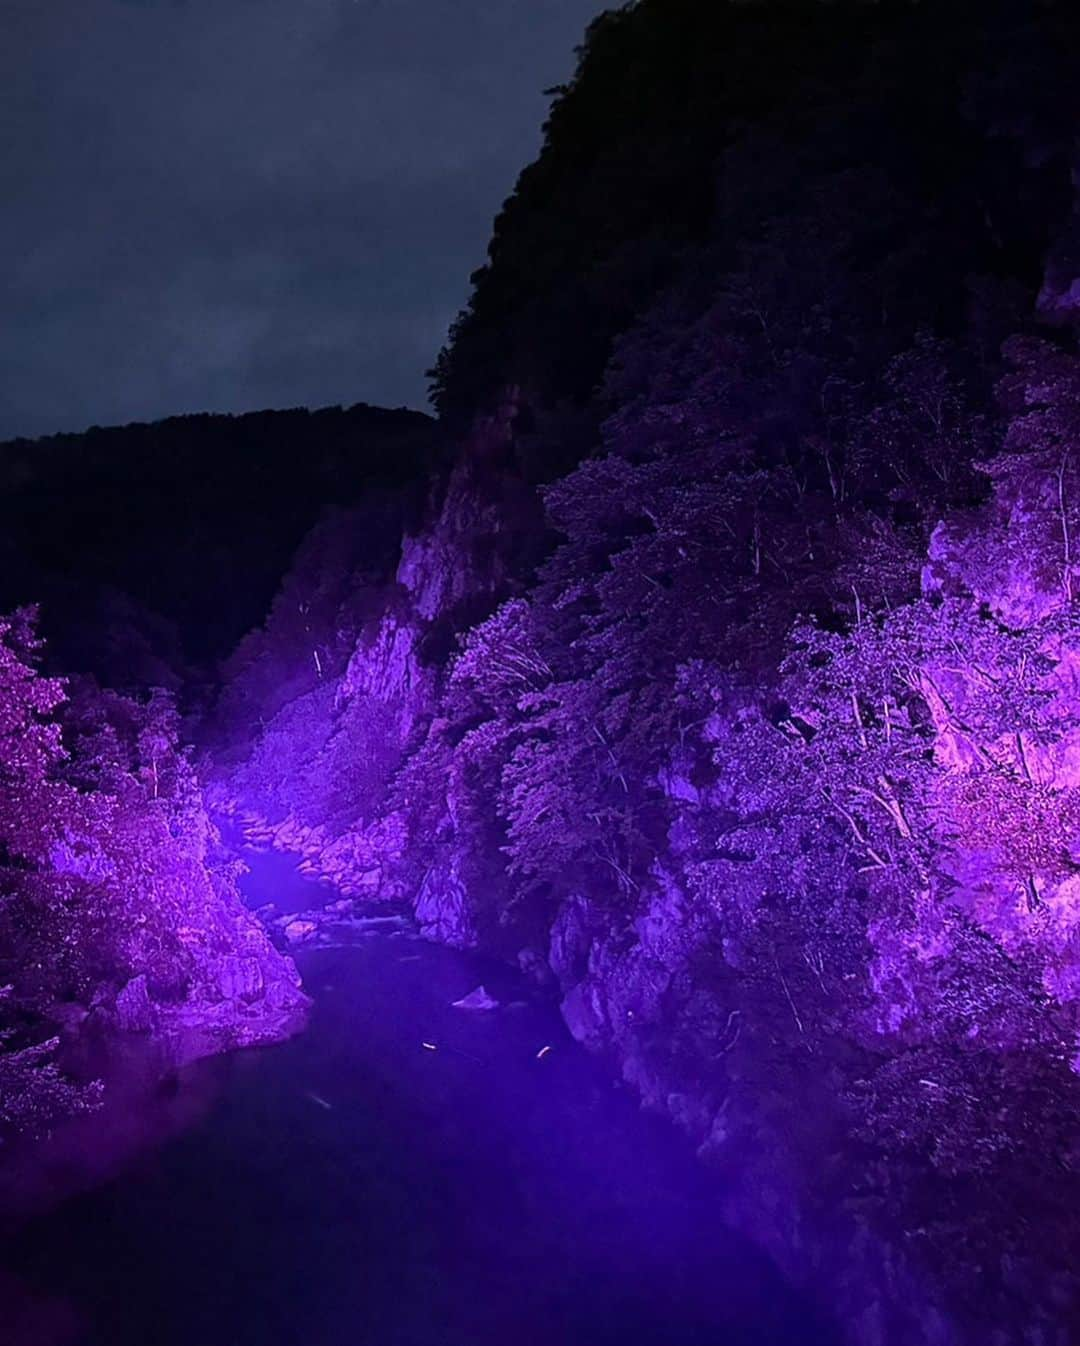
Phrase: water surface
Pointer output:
(356, 1187)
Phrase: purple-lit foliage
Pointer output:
(119, 913)
(777, 770)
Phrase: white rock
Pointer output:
(477, 1000)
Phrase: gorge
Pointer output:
(706, 670)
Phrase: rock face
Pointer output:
(238, 990)
(444, 908)
(317, 779)
(134, 1011)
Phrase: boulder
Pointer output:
(479, 999)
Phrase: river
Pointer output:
(403, 1173)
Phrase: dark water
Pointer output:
(354, 1188)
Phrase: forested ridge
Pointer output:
(122, 532)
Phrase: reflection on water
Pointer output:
(145, 1104)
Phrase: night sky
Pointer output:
(229, 204)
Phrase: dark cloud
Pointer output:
(227, 204)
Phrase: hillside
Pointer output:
(727, 683)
